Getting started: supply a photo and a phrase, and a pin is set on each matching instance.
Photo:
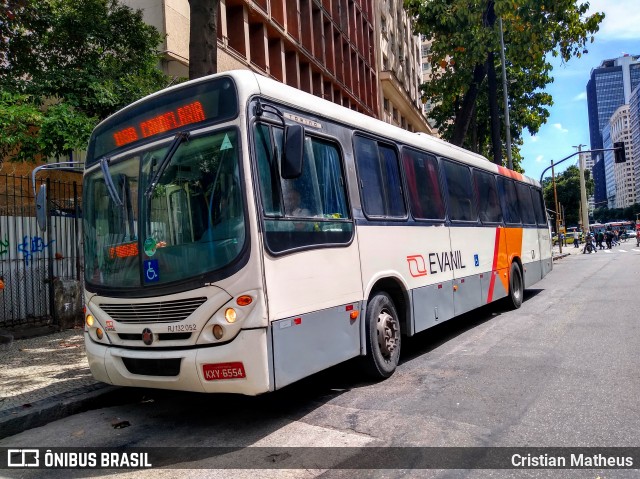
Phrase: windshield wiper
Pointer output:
(164, 162)
(111, 188)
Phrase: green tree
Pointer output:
(65, 65)
(465, 55)
(568, 189)
(605, 215)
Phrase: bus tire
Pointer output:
(382, 327)
(516, 286)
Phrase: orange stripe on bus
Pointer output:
(510, 173)
(508, 246)
(514, 249)
(496, 250)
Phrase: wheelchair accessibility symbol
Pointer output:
(151, 271)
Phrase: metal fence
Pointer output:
(31, 258)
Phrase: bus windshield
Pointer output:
(188, 222)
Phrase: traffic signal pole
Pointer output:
(571, 156)
(583, 190)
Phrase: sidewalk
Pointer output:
(566, 251)
(43, 379)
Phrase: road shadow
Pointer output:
(432, 338)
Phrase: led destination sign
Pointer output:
(212, 101)
(192, 113)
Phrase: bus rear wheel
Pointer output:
(382, 325)
(516, 286)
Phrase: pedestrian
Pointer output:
(563, 240)
(608, 237)
(576, 239)
(600, 239)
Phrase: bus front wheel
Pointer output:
(382, 325)
(516, 286)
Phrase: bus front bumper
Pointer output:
(113, 365)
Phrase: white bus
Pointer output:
(241, 235)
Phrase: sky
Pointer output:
(568, 122)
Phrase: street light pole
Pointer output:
(555, 201)
(583, 193)
(505, 92)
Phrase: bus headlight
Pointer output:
(230, 315)
(99, 333)
(90, 321)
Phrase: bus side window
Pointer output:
(268, 171)
(538, 206)
(510, 200)
(461, 203)
(380, 180)
(309, 211)
(488, 199)
(425, 197)
(526, 205)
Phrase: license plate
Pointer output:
(215, 372)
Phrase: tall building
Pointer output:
(620, 181)
(330, 48)
(634, 124)
(609, 87)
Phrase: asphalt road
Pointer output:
(562, 371)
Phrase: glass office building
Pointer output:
(609, 87)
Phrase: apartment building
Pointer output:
(400, 65)
(330, 48)
(620, 181)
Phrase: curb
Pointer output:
(560, 256)
(18, 419)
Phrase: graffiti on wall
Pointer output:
(29, 248)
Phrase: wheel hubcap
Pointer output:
(517, 286)
(387, 333)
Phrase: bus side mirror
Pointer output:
(291, 166)
(41, 207)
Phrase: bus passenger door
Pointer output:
(531, 256)
(544, 233)
(311, 260)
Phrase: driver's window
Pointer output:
(308, 210)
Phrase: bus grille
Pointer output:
(164, 312)
(161, 336)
